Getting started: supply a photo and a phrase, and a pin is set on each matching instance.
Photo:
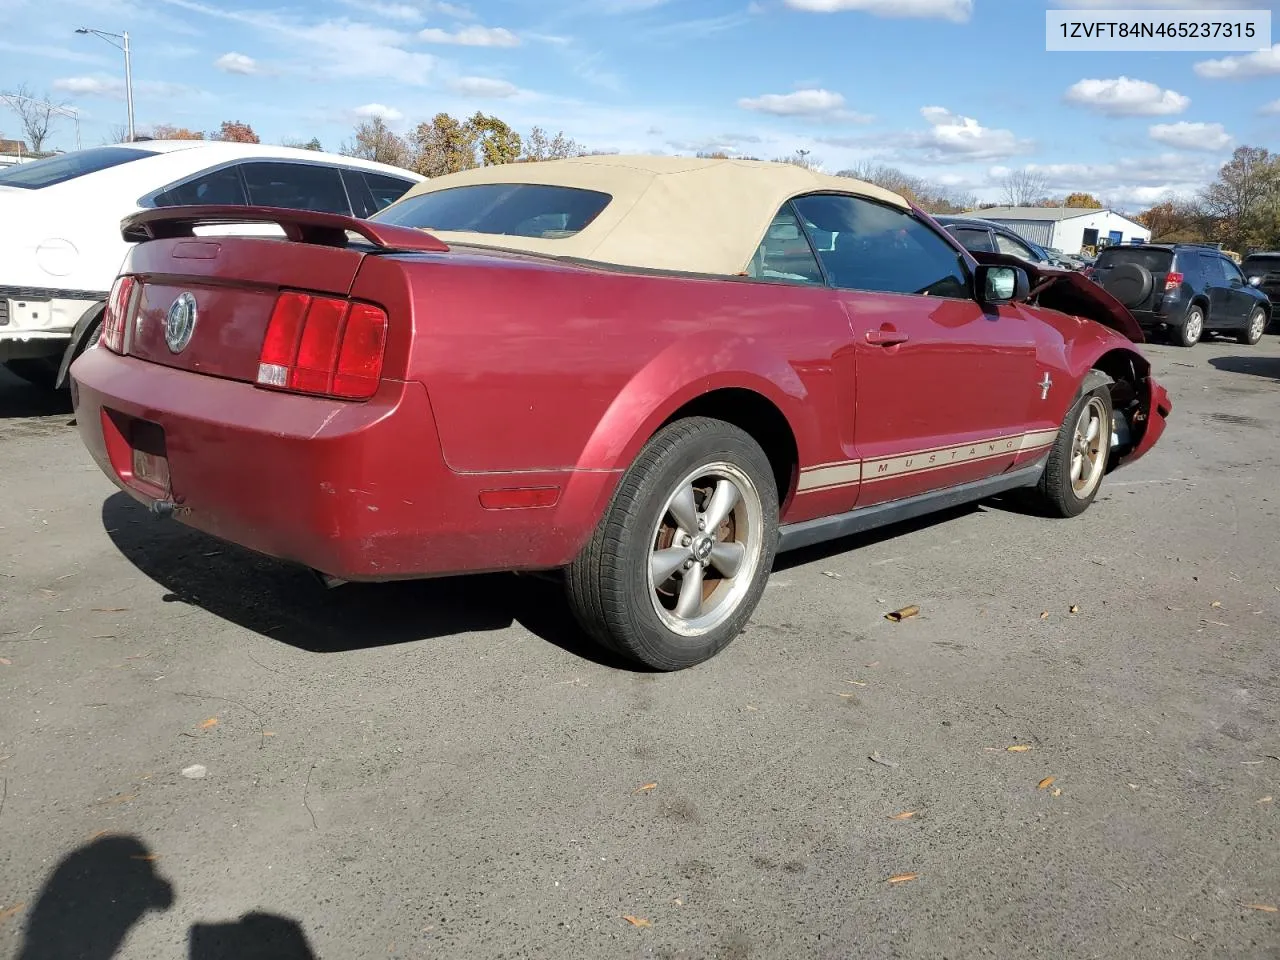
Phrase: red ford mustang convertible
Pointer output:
(650, 373)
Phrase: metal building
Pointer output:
(1068, 229)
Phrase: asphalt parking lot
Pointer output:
(445, 769)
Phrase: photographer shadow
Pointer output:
(99, 892)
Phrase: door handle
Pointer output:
(886, 337)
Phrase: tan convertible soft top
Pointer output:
(667, 213)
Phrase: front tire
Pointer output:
(1251, 334)
(1078, 460)
(680, 559)
(1192, 329)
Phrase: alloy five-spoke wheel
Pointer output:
(706, 547)
(680, 559)
(1256, 328)
(1089, 447)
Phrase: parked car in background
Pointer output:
(1263, 271)
(625, 368)
(1184, 290)
(984, 236)
(63, 249)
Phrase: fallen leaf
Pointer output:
(110, 609)
(1044, 615)
(1046, 783)
(848, 695)
(1216, 603)
(1074, 608)
(646, 788)
(832, 574)
(268, 733)
(11, 911)
(6, 662)
(1264, 800)
(196, 771)
(1264, 907)
(1018, 748)
(904, 815)
(122, 798)
(149, 857)
(881, 760)
(757, 709)
(636, 921)
(903, 878)
(897, 616)
(211, 722)
(678, 902)
(856, 683)
(1057, 792)
(873, 663)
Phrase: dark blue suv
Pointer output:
(1184, 290)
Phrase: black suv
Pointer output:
(1184, 289)
(1266, 267)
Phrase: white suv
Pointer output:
(61, 249)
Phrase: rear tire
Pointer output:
(1192, 329)
(38, 371)
(680, 559)
(1251, 334)
(1078, 459)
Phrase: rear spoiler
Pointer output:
(300, 226)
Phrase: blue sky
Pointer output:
(956, 90)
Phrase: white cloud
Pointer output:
(956, 137)
(404, 12)
(370, 110)
(236, 63)
(484, 87)
(457, 11)
(336, 47)
(1135, 181)
(958, 11)
(1246, 66)
(812, 103)
(112, 88)
(1123, 97)
(49, 52)
(1270, 108)
(1191, 136)
(474, 36)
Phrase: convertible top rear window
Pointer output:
(506, 209)
(68, 166)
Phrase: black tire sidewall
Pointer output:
(645, 635)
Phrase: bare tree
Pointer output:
(36, 114)
(1022, 188)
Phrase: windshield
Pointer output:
(508, 209)
(68, 166)
(1155, 260)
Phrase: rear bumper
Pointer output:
(359, 491)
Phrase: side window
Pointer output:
(973, 239)
(1006, 244)
(362, 204)
(784, 253)
(386, 190)
(883, 249)
(221, 186)
(1214, 275)
(296, 186)
(1232, 271)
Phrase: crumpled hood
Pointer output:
(1071, 293)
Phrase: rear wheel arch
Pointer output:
(82, 337)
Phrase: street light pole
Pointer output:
(128, 64)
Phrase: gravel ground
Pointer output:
(445, 769)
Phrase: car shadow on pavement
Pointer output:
(1257, 366)
(288, 603)
(100, 891)
(19, 399)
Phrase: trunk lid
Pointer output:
(203, 303)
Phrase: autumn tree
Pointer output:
(167, 131)
(932, 198)
(233, 131)
(537, 146)
(498, 143)
(1177, 220)
(374, 140)
(1244, 199)
(1083, 200)
(312, 144)
(444, 145)
(1021, 188)
(36, 114)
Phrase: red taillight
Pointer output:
(323, 345)
(1173, 281)
(114, 317)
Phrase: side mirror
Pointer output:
(1000, 284)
